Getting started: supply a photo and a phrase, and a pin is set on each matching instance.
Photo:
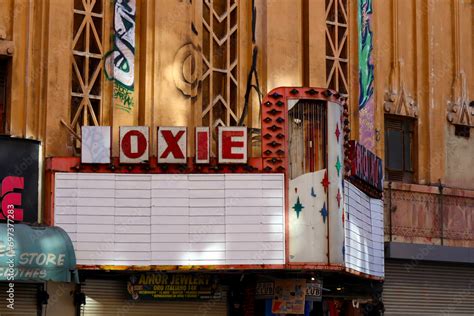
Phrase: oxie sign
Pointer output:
(365, 166)
(172, 144)
(19, 179)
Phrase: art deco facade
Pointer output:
(404, 69)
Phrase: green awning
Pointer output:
(36, 254)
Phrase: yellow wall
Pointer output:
(415, 43)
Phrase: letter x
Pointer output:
(172, 142)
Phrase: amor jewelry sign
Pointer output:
(172, 144)
(173, 286)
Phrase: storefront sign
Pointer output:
(171, 143)
(314, 291)
(266, 290)
(19, 175)
(289, 297)
(35, 254)
(169, 286)
(366, 166)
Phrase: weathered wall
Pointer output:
(423, 55)
(421, 48)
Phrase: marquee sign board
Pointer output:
(172, 145)
(366, 166)
(19, 179)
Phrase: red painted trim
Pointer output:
(363, 275)
(214, 267)
(73, 164)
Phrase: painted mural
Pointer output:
(366, 75)
(120, 61)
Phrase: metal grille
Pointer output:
(307, 137)
(25, 300)
(87, 63)
(219, 63)
(414, 288)
(337, 59)
(109, 297)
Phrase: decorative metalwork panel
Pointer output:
(219, 63)
(337, 59)
(87, 63)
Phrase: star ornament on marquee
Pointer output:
(325, 182)
(298, 207)
(337, 132)
(338, 198)
(324, 212)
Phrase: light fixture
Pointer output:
(312, 278)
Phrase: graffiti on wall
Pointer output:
(366, 75)
(119, 62)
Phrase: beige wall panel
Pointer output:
(317, 43)
(458, 164)
(58, 95)
(459, 160)
(284, 45)
(173, 31)
(61, 299)
(383, 46)
(422, 92)
(440, 75)
(19, 36)
(406, 40)
(6, 18)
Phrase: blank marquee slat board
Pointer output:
(166, 219)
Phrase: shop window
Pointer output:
(307, 137)
(462, 131)
(4, 66)
(399, 148)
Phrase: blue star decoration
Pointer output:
(312, 192)
(324, 213)
(298, 207)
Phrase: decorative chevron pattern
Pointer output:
(219, 63)
(87, 63)
(337, 61)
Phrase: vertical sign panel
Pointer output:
(120, 61)
(364, 240)
(335, 181)
(366, 75)
(19, 174)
